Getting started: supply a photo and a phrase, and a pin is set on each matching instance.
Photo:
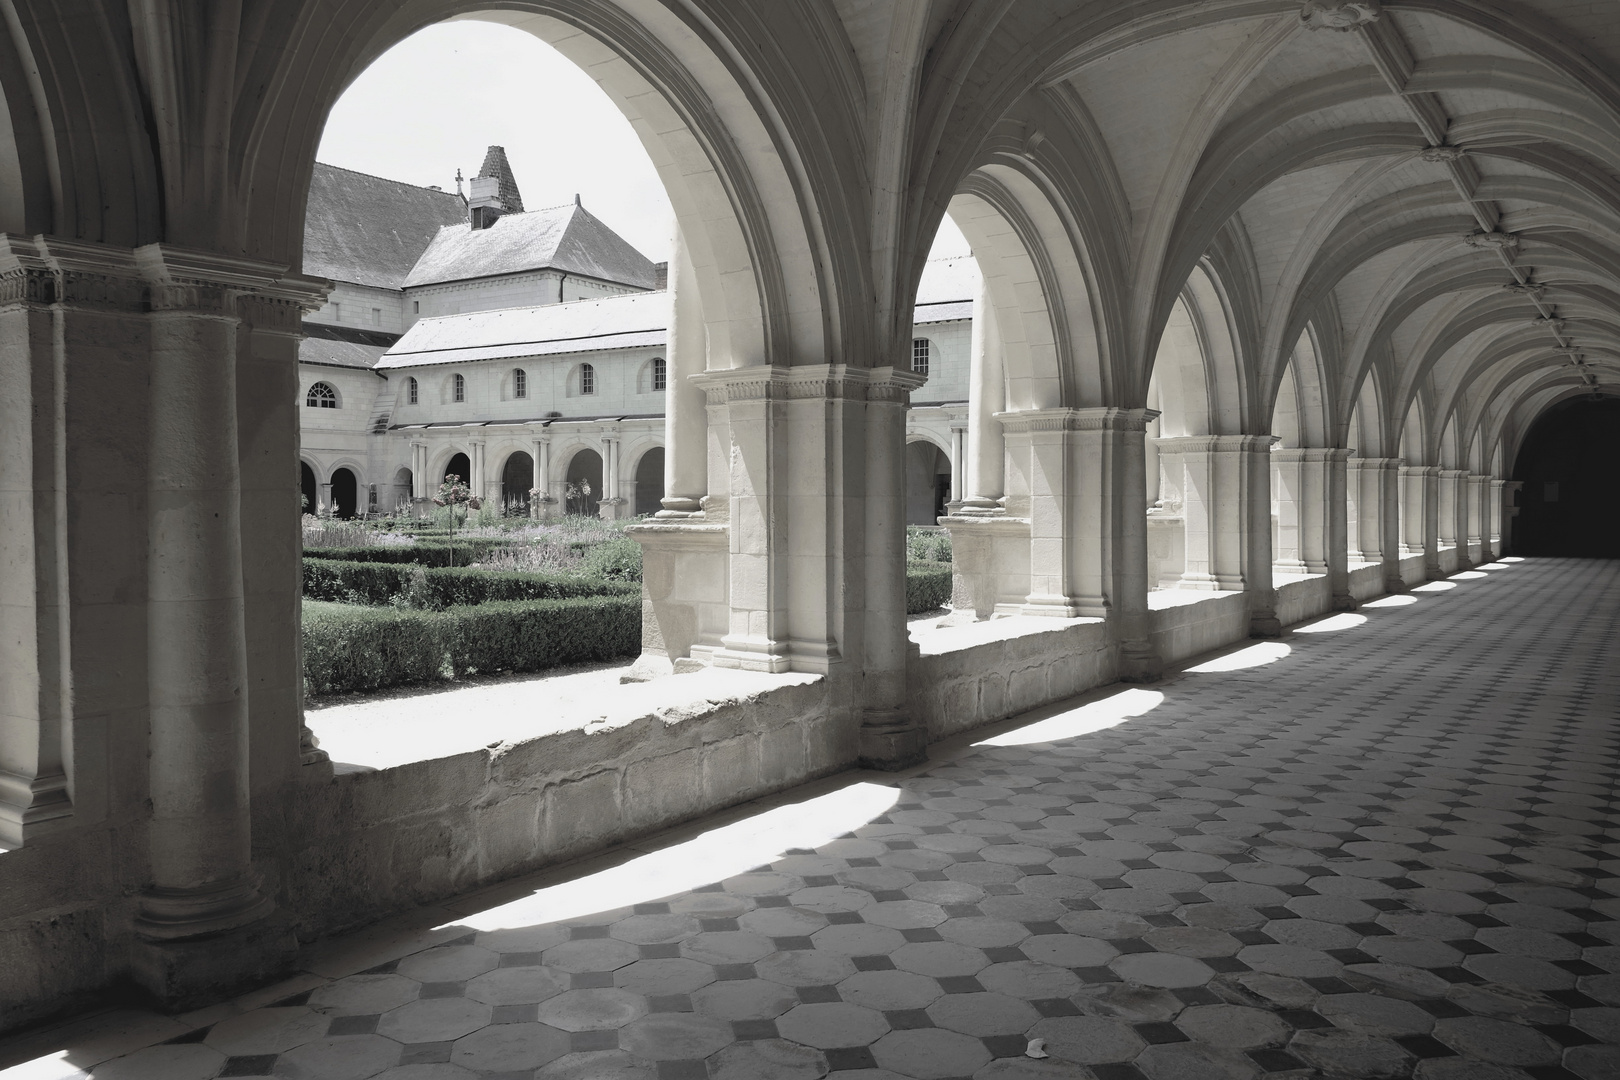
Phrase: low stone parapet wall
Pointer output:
(962, 677)
(1301, 597)
(1183, 623)
(1366, 581)
(374, 840)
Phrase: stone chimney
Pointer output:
(661, 275)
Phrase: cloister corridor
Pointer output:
(1383, 846)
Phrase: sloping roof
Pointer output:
(338, 353)
(563, 238)
(947, 281)
(615, 322)
(496, 165)
(370, 231)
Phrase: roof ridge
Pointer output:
(388, 179)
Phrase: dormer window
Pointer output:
(321, 396)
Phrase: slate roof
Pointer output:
(328, 353)
(370, 231)
(614, 322)
(948, 283)
(566, 238)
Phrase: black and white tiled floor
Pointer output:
(1383, 847)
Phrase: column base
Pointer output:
(1264, 624)
(890, 741)
(1139, 662)
(1346, 602)
(183, 975)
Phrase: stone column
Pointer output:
(199, 841)
(889, 736)
(750, 432)
(1045, 443)
(1431, 523)
(475, 465)
(1302, 509)
(1254, 457)
(36, 693)
(1337, 525)
(1412, 501)
(1475, 518)
(1389, 513)
(326, 505)
(987, 396)
(1493, 496)
(685, 407)
(1122, 538)
(958, 466)
(1453, 513)
(540, 504)
(1508, 507)
(1362, 519)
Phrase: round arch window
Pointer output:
(587, 379)
(458, 388)
(321, 396)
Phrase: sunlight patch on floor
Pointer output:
(1398, 600)
(1344, 621)
(1259, 655)
(718, 854)
(1435, 586)
(1469, 575)
(1096, 716)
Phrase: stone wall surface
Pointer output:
(1302, 598)
(370, 842)
(1367, 581)
(1189, 623)
(962, 677)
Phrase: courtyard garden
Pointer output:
(394, 602)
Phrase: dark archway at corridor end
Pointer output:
(1570, 465)
(307, 485)
(345, 493)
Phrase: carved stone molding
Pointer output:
(1495, 240)
(1443, 154)
(1340, 15)
(45, 270)
(201, 282)
(764, 382)
(1094, 419)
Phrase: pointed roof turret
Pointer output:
(495, 165)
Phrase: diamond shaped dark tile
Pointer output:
(1157, 1033)
(872, 963)
(1327, 984)
(682, 1070)
(512, 1014)
(590, 980)
(960, 984)
(1005, 1046)
(1425, 1046)
(353, 1025)
(585, 933)
(844, 918)
(718, 925)
(1056, 1007)
(1117, 1071)
(1564, 1035)
(1303, 1019)
(848, 1057)
(734, 972)
(196, 1036)
(664, 950)
(249, 1065)
(581, 1042)
(907, 1019)
(670, 1003)
(1272, 1060)
(425, 1053)
(922, 933)
(1005, 954)
(1442, 1008)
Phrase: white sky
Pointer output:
(438, 99)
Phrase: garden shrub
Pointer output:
(928, 586)
(618, 559)
(423, 552)
(927, 544)
(350, 647)
(442, 587)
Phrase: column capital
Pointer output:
(1215, 444)
(201, 282)
(47, 270)
(1104, 418)
(1453, 474)
(768, 382)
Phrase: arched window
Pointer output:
(411, 392)
(921, 353)
(520, 383)
(459, 388)
(660, 374)
(321, 396)
(587, 379)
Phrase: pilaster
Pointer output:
(1431, 523)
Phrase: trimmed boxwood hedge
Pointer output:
(423, 552)
(443, 587)
(928, 586)
(350, 647)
